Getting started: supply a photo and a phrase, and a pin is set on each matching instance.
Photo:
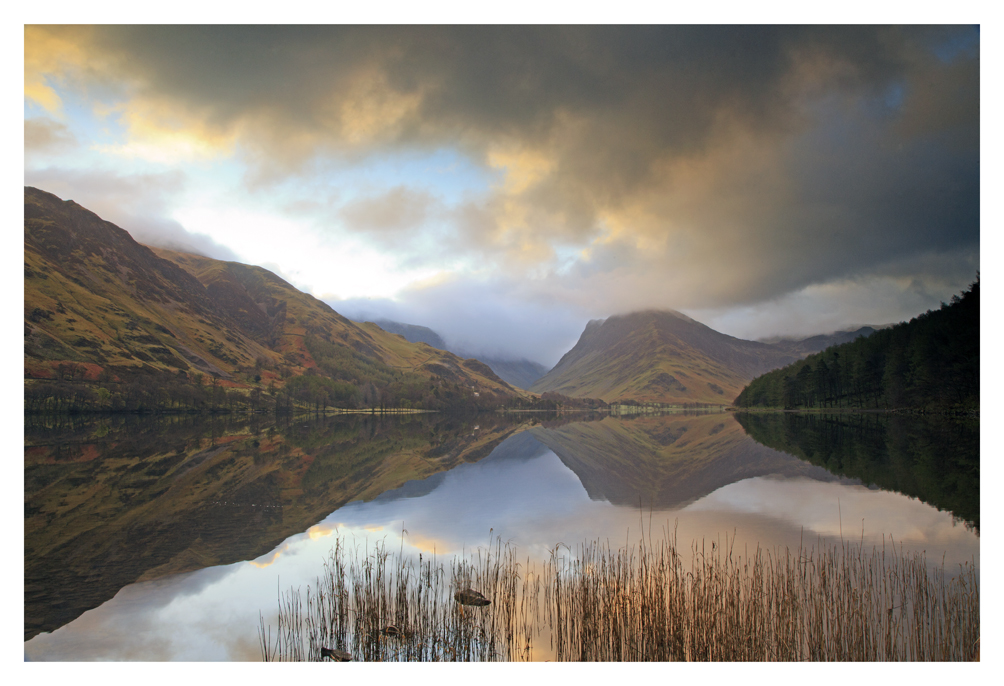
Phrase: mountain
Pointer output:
(413, 333)
(519, 373)
(101, 308)
(931, 362)
(666, 461)
(815, 344)
(659, 356)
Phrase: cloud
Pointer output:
(138, 203)
(390, 213)
(42, 134)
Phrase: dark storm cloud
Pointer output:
(136, 203)
(660, 87)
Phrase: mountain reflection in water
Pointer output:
(273, 495)
(113, 501)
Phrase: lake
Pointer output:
(166, 538)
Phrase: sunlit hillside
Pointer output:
(100, 307)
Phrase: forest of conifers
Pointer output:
(931, 362)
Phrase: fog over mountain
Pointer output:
(477, 319)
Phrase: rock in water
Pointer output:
(471, 597)
(336, 655)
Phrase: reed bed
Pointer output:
(376, 610)
(638, 603)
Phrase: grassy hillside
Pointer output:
(658, 357)
(94, 296)
(158, 329)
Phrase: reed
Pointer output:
(643, 602)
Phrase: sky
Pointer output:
(503, 185)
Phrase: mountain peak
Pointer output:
(659, 356)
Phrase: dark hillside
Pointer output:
(931, 362)
(935, 459)
(413, 333)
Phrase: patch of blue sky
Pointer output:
(445, 173)
(78, 114)
(218, 177)
(565, 258)
(964, 43)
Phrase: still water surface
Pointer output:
(163, 539)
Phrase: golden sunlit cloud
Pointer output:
(51, 56)
(158, 132)
(523, 167)
(371, 110)
(261, 563)
(518, 231)
(321, 531)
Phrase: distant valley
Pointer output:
(521, 373)
(815, 344)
